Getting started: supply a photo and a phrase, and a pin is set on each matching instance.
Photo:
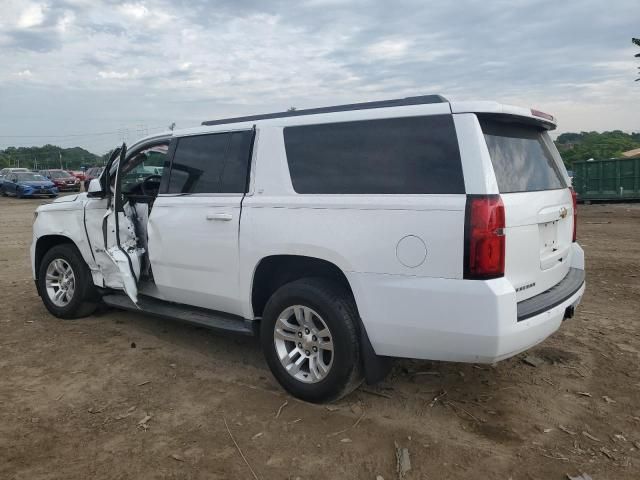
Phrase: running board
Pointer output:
(184, 313)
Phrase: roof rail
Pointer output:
(420, 100)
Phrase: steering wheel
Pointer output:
(146, 188)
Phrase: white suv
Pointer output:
(342, 236)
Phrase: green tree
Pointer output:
(586, 145)
(47, 156)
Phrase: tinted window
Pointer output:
(214, 163)
(521, 159)
(398, 155)
(234, 173)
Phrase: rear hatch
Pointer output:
(537, 200)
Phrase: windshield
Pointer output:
(521, 158)
(59, 174)
(29, 177)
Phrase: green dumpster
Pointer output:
(611, 179)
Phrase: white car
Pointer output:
(342, 236)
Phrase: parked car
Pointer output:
(27, 184)
(341, 236)
(63, 180)
(6, 171)
(79, 174)
(90, 174)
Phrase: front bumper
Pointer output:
(69, 188)
(33, 192)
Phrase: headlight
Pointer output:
(35, 215)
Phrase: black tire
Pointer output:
(85, 297)
(338, 310)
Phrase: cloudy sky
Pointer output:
(90, 72)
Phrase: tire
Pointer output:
(330, 307)
(84, 297)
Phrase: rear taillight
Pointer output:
(574, 197)
(484, 234)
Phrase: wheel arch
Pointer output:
(274, 271)
(46, 243)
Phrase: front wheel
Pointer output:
(65, 283)
(310, 340)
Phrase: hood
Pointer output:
(68, 202)
(70, 198)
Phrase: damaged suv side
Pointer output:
(341, 236)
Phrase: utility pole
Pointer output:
(636, 41)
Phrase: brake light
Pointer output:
(484, 234)
(574, 197)
(538, 113)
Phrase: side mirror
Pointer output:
(95, 189)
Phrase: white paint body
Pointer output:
(402, 254)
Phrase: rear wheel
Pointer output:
(310, 340)
(65, 283)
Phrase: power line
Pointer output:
(114, 132)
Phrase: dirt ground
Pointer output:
(74, 395)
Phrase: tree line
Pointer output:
(596, 145)
(48, 156)
(572, 147)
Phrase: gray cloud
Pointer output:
(37, 41)
(187, 61)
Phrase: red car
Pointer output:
(79, 174)
(90, 174)
(63, 180)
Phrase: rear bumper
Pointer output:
(458, 320)
(556, 295)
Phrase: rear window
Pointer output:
(521, 159)
(413, 155)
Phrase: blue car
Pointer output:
(27, 184)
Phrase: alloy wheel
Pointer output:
(303, 344)
(60, 282)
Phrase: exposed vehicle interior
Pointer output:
(141, 174)
(139, 183)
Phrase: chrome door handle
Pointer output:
(224, 217)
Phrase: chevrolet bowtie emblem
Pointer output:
(563, 212)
